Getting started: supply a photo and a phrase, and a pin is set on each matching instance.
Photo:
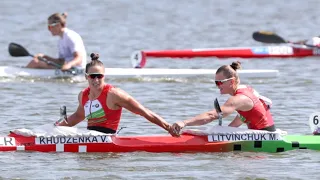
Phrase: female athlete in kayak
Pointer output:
(72, 52)
(251, 107)
(101, 104)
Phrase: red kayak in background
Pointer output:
(139, 58)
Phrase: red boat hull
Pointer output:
(270, 51)
(138, 58)
(160, 143)
(241, 141)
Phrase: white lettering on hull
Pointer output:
(73, 140)
(280, 50)
(244, 137)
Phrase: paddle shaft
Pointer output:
(218, 109)
(308, 45)
(48, 62)
(52, 63)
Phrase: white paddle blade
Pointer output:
(314, 120)
(138, 59)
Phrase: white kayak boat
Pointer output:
(12, 71)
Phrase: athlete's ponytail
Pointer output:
(94, 61)
(230, 71)
(235, 65)
(94, 56)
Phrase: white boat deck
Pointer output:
(11, 71)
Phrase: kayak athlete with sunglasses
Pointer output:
(72, 53)
(253, 109)
(101, 104)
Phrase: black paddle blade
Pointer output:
(267, 37)
(63, 112)
(17, 50)
(217, 106)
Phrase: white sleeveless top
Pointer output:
(69, 43)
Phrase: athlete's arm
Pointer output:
(76, 61)
(56, 60)
(77, 116)
(236, 122)
(232, 104)
(238, 102)
(122, 99)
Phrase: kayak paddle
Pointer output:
(270, 37)
(17, 50)
(218, 109)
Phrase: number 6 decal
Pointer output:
(314, 121)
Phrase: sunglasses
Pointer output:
(53, 24)
(95, 75)
(220, 82)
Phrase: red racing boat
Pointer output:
(139, 58)
(218, 139)
(50, 138)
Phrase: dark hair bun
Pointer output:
(65, 15)
(94, 56)
(236, 65)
